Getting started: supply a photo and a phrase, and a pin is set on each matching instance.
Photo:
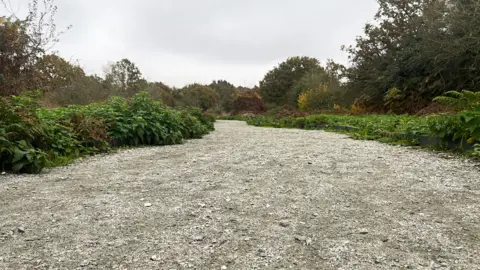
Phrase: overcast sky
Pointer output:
(185, 41)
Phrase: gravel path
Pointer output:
(247, 198)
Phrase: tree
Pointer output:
(55, 72)
(225, 91)
(248, 101)
(126, 77)
(277, 83)
(415, 51)
(22, 43)
(160, 91)
(197, 95)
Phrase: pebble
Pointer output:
(363, 231)
(197, 238)
(3, 173)
(21, 230)
(154, 258)
(224, 267)
(301, 238)
(147, 205)
(308, 241)
(262, 253)
(284, 224)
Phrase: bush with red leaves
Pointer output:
(248, 102)
(289, 111)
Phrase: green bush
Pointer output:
(32, 137)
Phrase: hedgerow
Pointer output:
(32, 137)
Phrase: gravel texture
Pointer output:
(247, 198)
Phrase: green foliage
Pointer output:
(20, 131)
(160, 91)
(393, 100)
(197, 95)
(409, 47)
(23, 42)
(318, 98)
(460, 100)
(476, 151)
(278, 82)
(125, 76)
(32, 137)
(225, 91)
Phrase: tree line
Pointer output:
(412, 52)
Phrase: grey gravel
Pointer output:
(422, 211)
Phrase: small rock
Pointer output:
(202, 205)
(284, 224)
(315, 214)
(197, 238)
(154, 258)
(262, 253)
(310, 163)
(300, 238)
(3, 173)
(308, 242)
(84, 263)
(363, 231)
(224, 267)
(21, 230)
(147, 205)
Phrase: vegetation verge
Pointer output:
(32, 137)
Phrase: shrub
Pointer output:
(361, 105)
(288, 111)
(248, 102)
(460, 100)
(318, 98)
(32, 137)
(393, 100)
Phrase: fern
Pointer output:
(460, 100)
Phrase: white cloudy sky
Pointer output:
(184, 41)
